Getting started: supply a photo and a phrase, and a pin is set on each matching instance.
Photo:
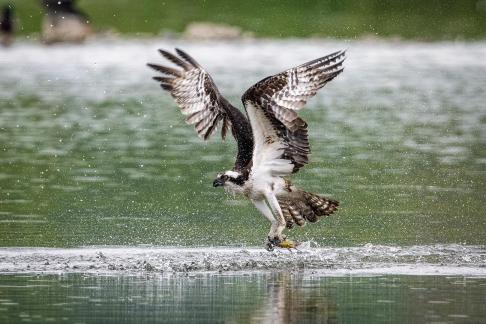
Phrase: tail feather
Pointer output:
(320, 205)
(292, 213)
(305, 206)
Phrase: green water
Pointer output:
(93, 152)
(256, 298)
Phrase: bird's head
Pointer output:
(229, 178)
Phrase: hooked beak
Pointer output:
(218, 182)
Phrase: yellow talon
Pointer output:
(287, 244)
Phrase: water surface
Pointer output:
(93, 152)
(251, 298)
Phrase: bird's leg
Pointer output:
(265, 210)
(273, 213)
(277, 238)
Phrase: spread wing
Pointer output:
(280, 135)
(200, 101)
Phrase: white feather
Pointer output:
(232, 174)
(267, 161)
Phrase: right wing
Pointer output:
(281, 140)
(200, 101)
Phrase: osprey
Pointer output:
(272, 139)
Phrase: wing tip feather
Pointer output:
(164, 69)
(174, 59)
(189, 59)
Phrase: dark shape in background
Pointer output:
(62, 7)
(64, 22)
(6, 26)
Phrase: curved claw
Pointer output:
(269, 246)
(276, 240)
(273, 242)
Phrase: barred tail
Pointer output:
(321, 206)
(306, 206)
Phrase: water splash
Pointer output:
(368, 259)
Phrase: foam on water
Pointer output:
(368, 259)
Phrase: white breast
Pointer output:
(234, 189)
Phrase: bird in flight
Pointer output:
(272, 139)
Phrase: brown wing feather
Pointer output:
(282, 95)
(300, 206)
(200, 101)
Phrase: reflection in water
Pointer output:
(289, 300)
(244, 298)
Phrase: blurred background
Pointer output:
(414, 19)
(93, 154)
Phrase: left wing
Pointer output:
(280, 135)
(199, 100)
